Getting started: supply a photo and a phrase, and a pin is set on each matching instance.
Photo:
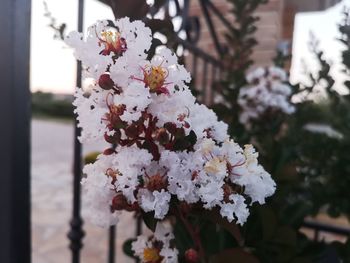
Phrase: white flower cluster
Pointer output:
(266, 91)
(156, 248)
(167, 149)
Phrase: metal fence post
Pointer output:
(76, 232)
(15, 238)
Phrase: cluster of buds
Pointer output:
(145, 133)
(168, 153)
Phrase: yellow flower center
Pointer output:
(113, 42)
(215, 166)
(151, 255)
(155, 77)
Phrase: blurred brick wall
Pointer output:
(276, 26)
(270, 30)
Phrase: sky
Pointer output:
(53, 65)
(324, 27)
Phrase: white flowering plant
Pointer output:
(171, 160)
(267, 92)
(302, 134)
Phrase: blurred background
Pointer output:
(308, 219)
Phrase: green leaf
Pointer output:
(215, 217)
(209, 232)
(149, 220)
(192, 138)
(127, 247)
(268, 222)
(183, 239)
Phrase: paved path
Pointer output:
(52, 155)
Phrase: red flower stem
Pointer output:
(194, 234)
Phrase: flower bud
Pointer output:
(113, 139)
(132, 131)
(191, 256)
(109, 151)
(119, 202)
(105, 81)
(162, 136)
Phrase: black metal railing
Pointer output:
(15, 217)
(76, 232)
(318, 228)
(205, 71)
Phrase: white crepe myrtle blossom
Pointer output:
(106, 40)
(162, 74)
(156, 249)
(267, 90)
(238, 205)
(168, 151)
(98, 194)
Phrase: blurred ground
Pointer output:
(52, 156)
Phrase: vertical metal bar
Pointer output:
(76, 232)
(112, 234)
(15, 237)
(211, 90)
(194, 69)
(138, 231)
(111, 244)
(204, 81)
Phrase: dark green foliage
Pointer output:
(324, 161)
(241, 42)
(127, 247)
(149, 220)
(47, 104)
